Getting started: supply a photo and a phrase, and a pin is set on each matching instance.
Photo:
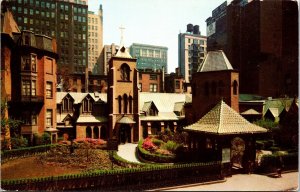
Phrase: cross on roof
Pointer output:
(122, 35)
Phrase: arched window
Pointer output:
(125, 72)
(214, 88)
(221, 87)
(67, 104)
(120, 103)
(130, 104)
(235, 87)
(125, 102)
(206, 88)
(194, 91)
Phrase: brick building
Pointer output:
(28, 67)
(174, 82)
(215, 80)
(151, 81)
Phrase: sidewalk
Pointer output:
(127, 152)
(244, 182)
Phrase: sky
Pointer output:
(153, 22)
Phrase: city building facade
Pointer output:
(108, 52)
(150, 56)
(262, 47)
(67, 21)
(191, 51)
(151, 81)
(174, 82)
(95, 40)
(28, 71)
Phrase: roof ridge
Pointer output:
(220, 116)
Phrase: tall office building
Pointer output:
(95, 40)
(191, 51)
(108, 52)
(261, 39)
(65, 20)
(150, 56)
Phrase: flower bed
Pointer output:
(161, 148)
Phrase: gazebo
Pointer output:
(224, 135)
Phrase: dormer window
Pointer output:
(87, 105)
(125, 72)
(67, 104)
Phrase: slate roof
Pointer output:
(223, 120)
(91, 119)
(126, 120)
(162, 116)
(215, 61)
(78, 97)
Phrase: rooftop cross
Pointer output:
(122, 35)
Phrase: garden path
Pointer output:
(128, 152)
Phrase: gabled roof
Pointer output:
(163, 101)
(215, 61)
(78, 97)
(223, 120)
(123, 52)
(125, 120)
(162, 116)
(250, 112)
(9, 25)
(279, 103)
(91, 119)
(148, 105)
(178, 106)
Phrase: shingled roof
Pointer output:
(215, 61)
(223, 120)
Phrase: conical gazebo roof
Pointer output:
(223, 120)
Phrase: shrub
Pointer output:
(18, 142)
(157, 142)
(171, 146)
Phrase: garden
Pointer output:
(166, 147)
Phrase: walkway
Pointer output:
(244, 182)
(127, 152)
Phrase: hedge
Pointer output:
(27, 151)
(268, 162)
(154, 157)
(96, 173)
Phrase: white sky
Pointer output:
(154, 22)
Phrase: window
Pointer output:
(177, 84)
(125, 72)
(125, 102)
(153, 87)
(87, 105)
(120, 103)
(33, 88)
(130, 104)
(144, 52)
(49, 115)
(67, 104)
(26, 87)
(29, 118)
(153, 77)
(213, 88)
(206, 88)
(157, 53)
(49, 88)
(235, 87)
(31, 11)
(25, 11)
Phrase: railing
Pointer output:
(123, 179)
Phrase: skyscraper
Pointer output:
(67, 21)
(95, 40)
(191, 51)
(150, 56)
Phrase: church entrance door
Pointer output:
(125, 133)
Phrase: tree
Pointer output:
(8, 126)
